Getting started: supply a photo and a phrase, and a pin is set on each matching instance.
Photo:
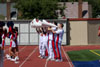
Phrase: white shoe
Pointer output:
(8, 58)
(48, 59)
(7, 55)
(13, 59)
(59, 60)
(16, 62)
(42, 57)
(17, 58)
(52, 59)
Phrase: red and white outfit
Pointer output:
(53, 43)
(59, 38)
(50, 50)
(45, 44)
(16, 42)
(12, 42)
(40, 43)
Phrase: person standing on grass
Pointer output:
(59, 32)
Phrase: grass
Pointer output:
(83, 55)
(97, 51)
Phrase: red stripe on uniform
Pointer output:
(10, 43)
(53, 46)
(10, 29)
(3, 42)
(48, 39)
(46, 52)
(57, 46)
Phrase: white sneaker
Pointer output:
(42, 57)
(16, 62)
(48, 59)
(17, 58)
(13, 59)
(59, 60)
(52, 59)
(7, 55)
(8, 58)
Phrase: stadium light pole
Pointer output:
(79, 8)
(8, 9)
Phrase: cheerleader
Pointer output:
(39, 31)
(11, 55)
(45, 43)
(59, 32)
(12, 47)
(16, 42)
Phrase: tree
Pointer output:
(37, 8)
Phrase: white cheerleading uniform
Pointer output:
(59, 38)
(12, 42)
(40, 43)
(60, 32)
(50, 51)
(45, 44)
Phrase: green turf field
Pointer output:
(84, 55)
